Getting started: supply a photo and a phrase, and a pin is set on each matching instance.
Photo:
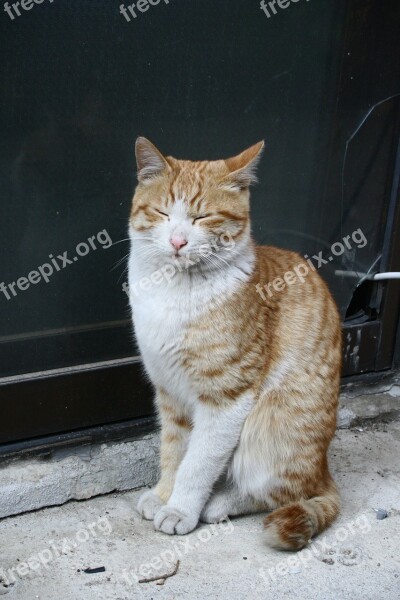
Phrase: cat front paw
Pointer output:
(172, 521)
(216, 509)
(149, 504)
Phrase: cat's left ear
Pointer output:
(243, 168)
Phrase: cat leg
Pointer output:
(229, 502)
(215, 435)
(175, 431)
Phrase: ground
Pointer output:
(43, 554)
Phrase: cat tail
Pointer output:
(291, 527)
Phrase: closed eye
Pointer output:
(201, 217)
(161, 213)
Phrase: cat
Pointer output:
(246, 384)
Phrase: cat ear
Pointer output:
(150, 161)
(243, 168)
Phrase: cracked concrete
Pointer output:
(357, 558)
(361, 401)
(77, 474)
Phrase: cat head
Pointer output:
(181, 208)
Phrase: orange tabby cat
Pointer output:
(246, 382)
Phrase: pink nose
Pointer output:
(178, 242)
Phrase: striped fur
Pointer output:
(246, 386)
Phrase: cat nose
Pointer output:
(178, 242)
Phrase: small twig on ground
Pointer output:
(161, 578)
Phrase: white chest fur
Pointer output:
(161, 319)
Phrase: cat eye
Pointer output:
(162, 213)
(201, 217)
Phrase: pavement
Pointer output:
(44, 554)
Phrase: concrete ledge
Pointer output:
(363, 401)
(79, 473)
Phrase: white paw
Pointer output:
(173, 521)
(149, 505)
(215, 510)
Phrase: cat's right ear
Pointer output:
(150, 161)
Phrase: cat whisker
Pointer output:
(124, 271)
(208, 260)
(120, 241)
(142, 237)
(220, 258)
(119, 262)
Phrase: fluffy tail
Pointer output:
(292, 527)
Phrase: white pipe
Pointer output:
(381, 276)
(366, 276)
